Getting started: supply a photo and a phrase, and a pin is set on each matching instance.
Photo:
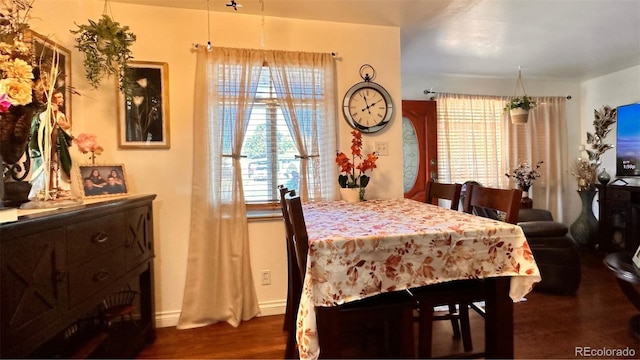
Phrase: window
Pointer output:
(470, 139)
(270, 157)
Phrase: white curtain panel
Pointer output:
(219, 285)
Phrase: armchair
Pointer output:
(556, 254)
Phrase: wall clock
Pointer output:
(367, 106)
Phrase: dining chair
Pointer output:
(427, 297)
(497, 204)
(294, 283)
(441, 191)
(482, 201)
(379, 326)
(490, 202)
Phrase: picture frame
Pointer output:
(43, 50)
(636, 257)
(95, 180)
(144, 113)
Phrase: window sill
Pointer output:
(264, 215)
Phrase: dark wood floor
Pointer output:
(546, 326)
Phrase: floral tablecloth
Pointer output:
(365, 248)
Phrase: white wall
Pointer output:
(166, 35)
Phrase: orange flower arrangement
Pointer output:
(348, 167)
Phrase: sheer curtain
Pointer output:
(219, 285)
(541, 139)
(309, 110)
(476, 141)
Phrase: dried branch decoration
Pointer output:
(603, 119)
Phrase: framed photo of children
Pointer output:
(54, 72)
(144, 111)
(102, 180)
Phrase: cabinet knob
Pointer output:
(100, 238)
(101, 275)
(61, 276)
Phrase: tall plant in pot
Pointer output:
(584, 228)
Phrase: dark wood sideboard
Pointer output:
(619, 223)
(59, 268)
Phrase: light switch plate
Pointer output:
(382, 148)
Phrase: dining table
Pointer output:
(361, 249)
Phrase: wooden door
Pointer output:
(419, 126)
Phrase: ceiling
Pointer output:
(547, 39)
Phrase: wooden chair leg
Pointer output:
(465, 327)
(454, 321)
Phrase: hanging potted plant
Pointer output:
(519, 107)
(105, 45)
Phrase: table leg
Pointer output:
(498, 318)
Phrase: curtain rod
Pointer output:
(431, 91)
(196, 46)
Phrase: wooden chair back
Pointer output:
(443, 191)
(299, 230)
(294, 284)
(285, 214)
(479, 199)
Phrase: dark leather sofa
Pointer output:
(556, 254)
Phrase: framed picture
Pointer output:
(636, 257)
(102, 180)
(44, 50)
(144, 114)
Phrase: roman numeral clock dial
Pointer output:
(367, 106)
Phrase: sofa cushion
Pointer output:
(543, 228)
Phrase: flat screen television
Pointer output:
(628, 141)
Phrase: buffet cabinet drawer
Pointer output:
(89, 278)
(87, 240)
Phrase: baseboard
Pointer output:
(268, 308)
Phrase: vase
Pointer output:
(519, 116)
(584, 229)
(526, 202)
(350, 194)
(14, 193)
(15, 129)
(604, 177)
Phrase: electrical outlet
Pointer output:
(266, 277)
(382, 148)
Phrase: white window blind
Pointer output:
(269, 154)
(470, 139)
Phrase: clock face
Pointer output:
(367, 107)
